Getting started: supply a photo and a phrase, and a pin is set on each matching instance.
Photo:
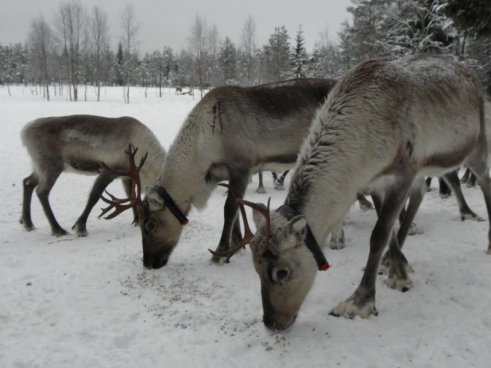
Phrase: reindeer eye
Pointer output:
(280, 276)
(150, 226)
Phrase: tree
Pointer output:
(276, 54)
(70, 24)
(129, 28)
(228, 62)
(40, 44)
(299, 56)
(248, 46)
(416, 26)
(197, 41)
(100, 44)
(325, 59)
(470, 16)
(213, 46)
(119, 65)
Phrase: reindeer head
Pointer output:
(159, 219)
(158, 215)
(283, 261)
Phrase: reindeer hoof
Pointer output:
(415, 230)
(28, 226)
(336, 244)
(349, 309)
(59, 233)
(488, 251)
(261, 190)
(400, 284)
(80, 230)
(471, 216)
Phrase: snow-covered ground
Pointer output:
(88, 302)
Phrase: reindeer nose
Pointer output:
(277, 325)
(155, 262)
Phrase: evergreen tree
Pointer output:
(472, 16)
(277, 55)
(228, 62)
(119, 66)
(299, 56)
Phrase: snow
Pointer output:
(88, 302)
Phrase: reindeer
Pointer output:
(232, 133)
(81, 143)
(383, 128)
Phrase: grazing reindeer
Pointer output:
(383, 127)
(81, 143)
(230, 134)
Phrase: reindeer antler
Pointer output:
(121, 204)
(248, 235)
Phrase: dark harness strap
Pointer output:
(171, 205)
(310, 241)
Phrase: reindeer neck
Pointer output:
(183, 171)
(331, 170)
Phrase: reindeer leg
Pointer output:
(465, 212)
(236, 233)
(29, 184)
(260, 187)
(101, 182)
(238, 180)
(394, 260)
(444, 190)
(362, 301)
(46, 183)
(479, 168)
(337, 237)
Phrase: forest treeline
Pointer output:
(75, 48)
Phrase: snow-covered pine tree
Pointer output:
(299, 56)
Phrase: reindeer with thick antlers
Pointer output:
(81, 143)
(383, 127)
(230, 134)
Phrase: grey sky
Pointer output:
(167, 22)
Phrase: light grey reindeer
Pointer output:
(232, 133)
(81, 143)
(383, 127)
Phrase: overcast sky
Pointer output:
(167, 22)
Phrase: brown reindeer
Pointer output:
(383, 128)
(81, 143)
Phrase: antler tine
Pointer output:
(118, 204)
(134, 198)
(248, 235)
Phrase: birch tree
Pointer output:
(130, 28)
(100, 44)
(40, 44)
(197, 42)
(70, 24)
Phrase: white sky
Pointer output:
(167, 22)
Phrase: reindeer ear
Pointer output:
(257, 216)
(294, 232)
(155, 201)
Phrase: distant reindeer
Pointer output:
(232, 133)
(383, 128)
(81, 143)
(278, 181)
(178, 90)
